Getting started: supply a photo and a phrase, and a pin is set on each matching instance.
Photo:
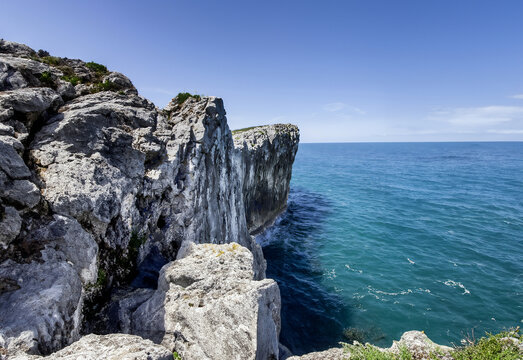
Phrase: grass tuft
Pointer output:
(97, 68)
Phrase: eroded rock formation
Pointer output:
(97, 186)
(267, 153)
(209, 285)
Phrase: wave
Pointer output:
(455, 284)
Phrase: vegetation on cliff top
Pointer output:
(506, 345)
(183, 96)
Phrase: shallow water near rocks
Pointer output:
(383, 238)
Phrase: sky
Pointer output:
(343, 71)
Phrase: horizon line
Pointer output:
(411, 142)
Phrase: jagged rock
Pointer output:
(10, 223)
(10, 161)
(208, 306)
(109, 169)
(268, 154)
(17, 72)
(14, 48)
(120, 81)
(107, 347)
(420, 346)
(41, 309)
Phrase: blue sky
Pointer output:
(365, 70)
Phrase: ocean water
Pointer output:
(381, 238)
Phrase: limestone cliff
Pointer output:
(267, 154)
(99, 189)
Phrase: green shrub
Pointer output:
(51, 60)
(97, 68)
(42, 53)
(176, 356)
(104, 86)
(73, 79)
(491, 347)
(46, 79)
(182, 97)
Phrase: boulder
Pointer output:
(207, 306)
(107, 347)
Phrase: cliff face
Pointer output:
(97, 185)
(267, 154)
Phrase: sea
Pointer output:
(382, 238)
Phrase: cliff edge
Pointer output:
(267, 153)
(99, 191)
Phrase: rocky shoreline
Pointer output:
(126, 231)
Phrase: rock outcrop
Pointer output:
(97, 186)
(208, 306)
(417, 343)
(113, 346)
(267, 155)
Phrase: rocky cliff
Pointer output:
(99, 189)
(267, 153)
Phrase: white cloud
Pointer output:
(337, 106)
(506, 131)
(478, 116)
(517, 96)
(332, 107)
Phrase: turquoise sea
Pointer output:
(382, 238)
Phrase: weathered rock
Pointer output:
(268, 154)
(110, 169)
(41, 307)
(420, 346)
(416, 342)
(330, 354)
(120, 82)
(10, 223)
(107, 347)
(14, 48)
(208, 306)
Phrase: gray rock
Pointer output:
(21, 193)
(42, 307)
(420, 346)
(10, 161)
(10, 224)
(10, 47)
(267, 154)
(121, 82)
(30, 100)
(17, 72)
(107, 347)
(208, 306)
(330, 354)
(44, 313)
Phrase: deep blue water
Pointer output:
(390, 237)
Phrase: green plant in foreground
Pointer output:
(370, 352)
(492, 347)
(176, 356)
(97, 68)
